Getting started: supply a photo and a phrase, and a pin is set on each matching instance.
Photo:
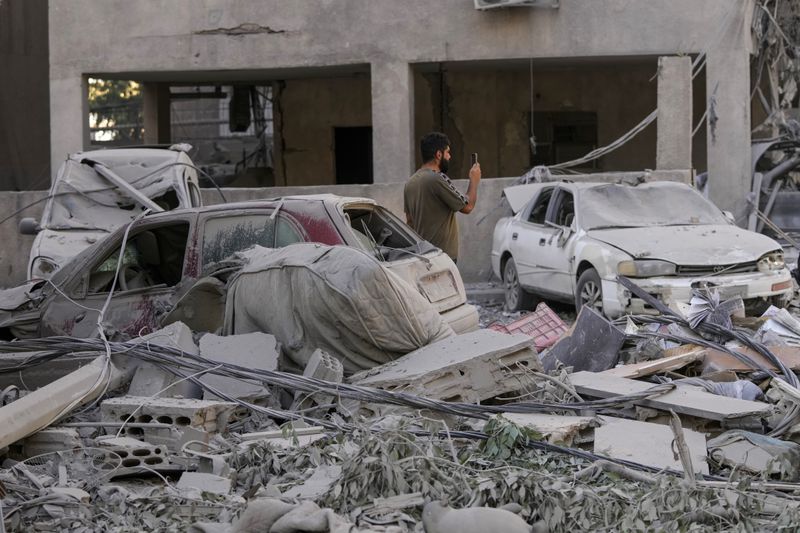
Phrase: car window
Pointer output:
(563, 211)
(226, 235)
(152, 257)
(539, 209)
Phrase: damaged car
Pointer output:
(570, 241)
(97, 191)
(164, 254)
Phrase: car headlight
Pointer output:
(647, 268)
(43, 267)
(771, 262)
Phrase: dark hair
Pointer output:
(432, 143)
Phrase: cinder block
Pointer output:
(135, 453)
(252, 350)
(321, 365)
(210, 416)
(150, 380)
(472, 367)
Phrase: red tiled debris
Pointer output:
(544, 325)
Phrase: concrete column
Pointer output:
(69, 118)
(156, 113)
(728, 123)
(674, 146)
(392, 121)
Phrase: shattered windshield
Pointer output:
(653, 204)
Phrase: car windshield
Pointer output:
(652, 204)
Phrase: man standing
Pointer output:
(431, 201)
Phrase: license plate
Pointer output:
(732, 292)
(438, 286)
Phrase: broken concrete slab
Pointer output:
(317, 484)
(759, 454)
(556, 429)
(150, 380)
(683, 400)
(195, 481)
(259, 351)
(471, 367)
(593, 344)
(648, 444)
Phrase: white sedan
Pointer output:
(570, 241)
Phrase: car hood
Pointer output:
(689, 245)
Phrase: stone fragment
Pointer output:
(150, 380)
(251, 350)
(471, 367)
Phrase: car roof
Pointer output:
(518, 196)
(332, 199)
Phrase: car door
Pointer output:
(143, 277)
(529, 235)
(556, 249)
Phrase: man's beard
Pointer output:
(444, 165)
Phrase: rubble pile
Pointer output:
(685, 418)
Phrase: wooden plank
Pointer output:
(647, 443)
(665, 364)
(716, 360)
(684, 399)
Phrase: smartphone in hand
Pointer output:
(473, 158)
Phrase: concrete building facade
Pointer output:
(574, 77)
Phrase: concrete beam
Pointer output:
(728, 99)
(674, 144)
(69, 118)
(44, 406)
(392, 121)
(156, 113)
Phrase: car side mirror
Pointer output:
(29, 226)
(729, 216)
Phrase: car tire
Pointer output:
(589, 291)
(517, 298)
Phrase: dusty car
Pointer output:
(166, 252)
(97, 191)
(570, 241)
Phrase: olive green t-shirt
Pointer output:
(431, 202)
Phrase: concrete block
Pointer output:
(472, 367)
(46, 441)
(252, 350)
(556, 429)
(135, 453)
(321, 365)
(210, 416)
(150, 380)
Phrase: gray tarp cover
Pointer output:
(335, 298)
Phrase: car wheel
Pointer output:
(517, 299)
(589, 291)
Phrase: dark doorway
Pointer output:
(353, 155)
(563, 136)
